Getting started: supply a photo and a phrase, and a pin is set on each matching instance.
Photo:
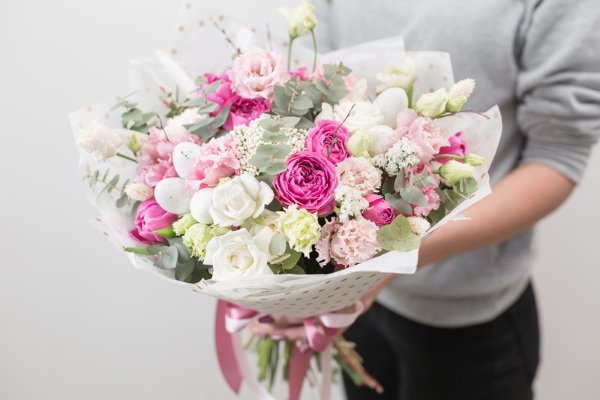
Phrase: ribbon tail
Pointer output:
(297, 371)
(225, 350)
(326, 374)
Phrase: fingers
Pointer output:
(282, 328)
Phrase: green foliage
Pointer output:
(277, 245)
(398, 236)
(269, 157)
(109, 186)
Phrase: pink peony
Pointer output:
(309, 182)
(256, 72)
(359, 174)
(155, 163)
(433, 199)
(379, 211)
(456, 148)
(347, 244)
(322, 138)
(242, 111)
(220, 158)
(422, 131)
(151, 217)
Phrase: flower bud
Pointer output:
(432, 104)
(135, 142)
(453, 171)
(456, 103)
(183, 224)
(301, 20)
(474, 160)
(359, 142)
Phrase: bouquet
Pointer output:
(283, 188)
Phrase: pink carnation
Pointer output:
(328, 138)
(256, 72)
(243, 110)
(359, 174)
(433, 199)
(347, 244)
(220, 158)
(155, 163)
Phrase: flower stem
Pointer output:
(127, 158)
(449, 156)
(290, 53)
(314, 39)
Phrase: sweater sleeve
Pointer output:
(558, 86)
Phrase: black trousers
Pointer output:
(496, 360)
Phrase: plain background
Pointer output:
(77, 321)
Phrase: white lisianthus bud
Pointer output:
(418, 225)
(397, 75)
(455, 104)
(453, 171)
(432, 104)
(100, 141)
(301, 20)
(359, 142)
(139, 191)
(474, 160)
(135, 142)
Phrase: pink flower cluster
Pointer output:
(347, 243)
(220, 158)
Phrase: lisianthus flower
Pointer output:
(256, 72)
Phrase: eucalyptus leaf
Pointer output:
(199, 101)
(277, 245)
(399, 182)
(137, 250)
(302, 103)
(336, 94)
(121, 201)
(275, 205)
(125, 184)
(322, 86)
(296, 270)
(282, 150)
(268, 179)
(118, 105)
(279, 112)
(212, 87)
(169, 257)
(132, 115)
(414, 196)
(281, 258)
(275, 137)
(281, 99)
(259, 220)
(134, 208)
(470, 184)
(113, 182)
(290, 262)
(104, 189)
(191, 128)
(298, 113)
(88, 170)
(167, 232)
(221, 117)
(270, 125)
(398, 203)
(106, 174)
(211, 107)
(329, 70)
(305, 123)
(289, 122)
(155, 250)
(339, 82)
(398, 236)
(261, 161)
(388, 186)
(266, 149)
(145, 118)
(436, 216)
(277, 167)
(94, 179)
(206, 132)
(184, 270)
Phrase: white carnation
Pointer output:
(418, 225)
(100, 141)
(350, 201)
(402, 155)
(139, 191)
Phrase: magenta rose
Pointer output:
(242, 111)
(379, 211)
(151, 217)
(322, 138)
(456, 148)
(309, 182)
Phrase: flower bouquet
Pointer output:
(280, 189)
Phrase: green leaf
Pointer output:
(399, 182)
(305, 123)
(470, 184)
(277, 245)
(322, 86)
(451, 199)
(339, 82)
(298, 112)
(279, 112)
(169, 257)
(398, 204)
(212, 87)
(156, 249)
(211, 107)
(277, 167)
(104, 189)
(118, 105)
(184, 270)
(336, 94)
(275, 205)
(199, 101)
(125, 184)
(259, 220)
(270, 125)
(137, 250)
(268, 179)
(130, 94)
(329, 70)
(206, 132)
(88, 170)
(388, 186)
(290, 262)
(280, 258)
(302, 103)
(277, 151)
(121, 201)
(289, 122)
(134, 208)
(281, 99)
(94, 179)
(296, 270)
(145, 118)
(204, 122)
(398, 236)
(436, 216)
(167, 232)
(261, 161)
(221, 117)
(275, 137)
(414, 196)
(113, 182)
(132, 115)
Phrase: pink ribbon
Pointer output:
(231, 318)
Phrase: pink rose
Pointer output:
(322, 138)
(422, 131)
(433, 199)
(456, 148)
(151, 217)
(379, 211)
(309, 182)
(347, 244)
(242, 111)
(256, 72)
(220, 158)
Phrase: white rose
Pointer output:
(236, 253)
(365, 115)
(397, 75)
(241, 198)
(100, 141)
(175, 126)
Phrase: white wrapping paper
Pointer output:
(293, 295)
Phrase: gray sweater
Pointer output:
(539, 60)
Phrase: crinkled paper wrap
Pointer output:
(293, 295)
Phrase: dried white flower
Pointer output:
(100, 141)
(418, 225)
(402, 155)
(462, 88)
(139, 191)
(351, 202)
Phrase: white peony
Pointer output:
(241, 198)
(236, 253)
(365, 115)
(100, 141)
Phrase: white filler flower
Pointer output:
(241, 198)
(100, 141)
(236, 253)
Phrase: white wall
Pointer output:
(78, 322)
